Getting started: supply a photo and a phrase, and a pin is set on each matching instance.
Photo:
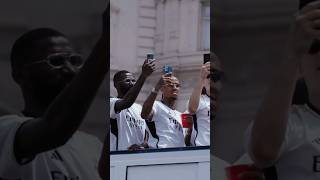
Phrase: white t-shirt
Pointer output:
(218, 168)
(168, 126)
(77, 159)
(201, 137)
(300, 151)
(130, 126)
(113, 142)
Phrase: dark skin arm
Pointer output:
(65, 114)
(131, 96)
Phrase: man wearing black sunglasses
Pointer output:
(58, 88)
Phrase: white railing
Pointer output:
(190, 163)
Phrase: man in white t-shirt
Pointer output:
(286, 138)
(126, 123)
(43, 142)
(113, 142)
(166, 126)
(199, 104)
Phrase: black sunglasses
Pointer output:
(57, 60)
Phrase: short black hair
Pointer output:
(119, 75)
(25, 45)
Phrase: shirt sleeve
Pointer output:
(155, 109)
(9, 166)
(201, 103)
(295, 134)
(112, 110)
(152, 142)
(187, 106)
(98, 150)
(91, 145)
(113, 142)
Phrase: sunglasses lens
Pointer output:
(76, 60)
(59, 60)
(56, 61)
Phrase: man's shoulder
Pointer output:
(113, 100)
(300, 111)
(157, 103)
(205, 98)
(85, 139)
(12, 118)
(136, 106)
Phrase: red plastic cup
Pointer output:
(187, 120)
(234, 172)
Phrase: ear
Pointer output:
(116, 85)
(162, 89)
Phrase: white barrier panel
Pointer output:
(161, 164)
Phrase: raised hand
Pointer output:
(205, 71)
(148, 68)
(306, 27)
(164, 80)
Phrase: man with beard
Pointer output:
(164, 121)
(127, 126)
(58, 87)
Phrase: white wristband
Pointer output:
(154, 91)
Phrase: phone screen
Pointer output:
(150, 57)
(206, 58)
(167, 69)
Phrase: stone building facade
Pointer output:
(176, 31)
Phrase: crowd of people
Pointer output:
(58, 86)
(157, 123)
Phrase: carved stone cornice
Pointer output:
(228, 18)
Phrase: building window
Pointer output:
(205, 25)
